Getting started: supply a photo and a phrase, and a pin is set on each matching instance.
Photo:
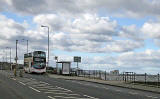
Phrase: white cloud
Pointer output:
(132, 32)
(87, 33)
(151, 29)
(130, 8)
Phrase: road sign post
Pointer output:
(78, 60)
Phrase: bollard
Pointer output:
(20, 73)
(15, 73)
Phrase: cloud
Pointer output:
(10, 30)
(88, 33)
(132, 32)
(151, 29)
(139, 62)
(132, 8)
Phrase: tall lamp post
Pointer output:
(10, 55)
(48, 42)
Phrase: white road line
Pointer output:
(95, 86)
(40, 85)
(50, 91)
(35, 89)
(106, 88)
(65, 97)
(22, 83)
(118, 90)
(44, 83)
(133, 93)
(64, 89)
(51, 97)
(155, 97)
(32, 79)
(48, 88)
(152, 97)
(74, 94)
(32, 83)
(13, 78)
(90, 97)
(44, 87)
(57, 93)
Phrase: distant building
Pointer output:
(114, 72)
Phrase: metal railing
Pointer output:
(127, 77)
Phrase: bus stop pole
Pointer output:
(77, 69)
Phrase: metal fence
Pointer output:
(128, 77)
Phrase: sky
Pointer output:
(108, 34)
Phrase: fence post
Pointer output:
(158, 80)
(100, 74)
(134, 77)
(145, 77)
(105, 75)
(123, 76)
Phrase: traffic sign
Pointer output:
(77, 59)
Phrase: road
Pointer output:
(33, 86)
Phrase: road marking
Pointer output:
(48, 88)
(90, 97)
(51, 97)
(106, 88)
(44, 83)
(64, 89)
(13, 78)
(22, 83)
(40, 85)
(65, 97)
(35, 89)
(152, 97)
(95, 86)
(55, 91)
(32, 83)
(74, 94)
(32, 79)
(44, 87)
(155, 97)
(118, 90)
(133, 93)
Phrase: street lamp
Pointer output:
(48, 43)
(10, 55)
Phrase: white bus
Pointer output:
(35, 62)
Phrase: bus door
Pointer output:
(30, 64)
(29, 68)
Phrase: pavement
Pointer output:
(112, 83)
(34, 86)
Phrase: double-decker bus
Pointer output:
(35, 62)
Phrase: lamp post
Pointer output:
(10, 55)
(16, 58)
(48, 42)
